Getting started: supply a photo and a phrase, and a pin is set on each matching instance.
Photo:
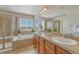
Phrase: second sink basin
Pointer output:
(65, 41)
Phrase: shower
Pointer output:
(5, 32)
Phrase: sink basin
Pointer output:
(65, 41)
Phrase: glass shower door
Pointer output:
(8, 32)
(1, 31)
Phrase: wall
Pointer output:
(70, 17)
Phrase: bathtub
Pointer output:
(14, 39)
(19, 37)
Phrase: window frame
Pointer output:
(26, 23)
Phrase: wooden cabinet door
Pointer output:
(41, 49)
(41, 46)
(49, 51)
(50, 45)
(37, 46)
(37, 43)
(50, 48)
(61, 51)
(34, 41)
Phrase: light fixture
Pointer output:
(43, 10)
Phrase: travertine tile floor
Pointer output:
(28, 50)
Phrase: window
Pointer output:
(26, 24)
(23, 22)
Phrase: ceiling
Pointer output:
(52, 10)
(26, 9)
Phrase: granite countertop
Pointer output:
(74, 49)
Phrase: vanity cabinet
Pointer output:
(44, 46)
